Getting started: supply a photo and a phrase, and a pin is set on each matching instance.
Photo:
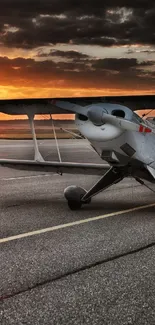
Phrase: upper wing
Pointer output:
(71, 105)
(56, 167)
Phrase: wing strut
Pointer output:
(75, 135)
(55, 137)
(37, 155)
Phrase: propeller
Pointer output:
(99, 116)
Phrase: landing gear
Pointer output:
(74, 205)
(76, 196)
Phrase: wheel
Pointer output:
(74, 205)
(73, 195)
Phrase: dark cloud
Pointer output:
(73, 55)
(105, 23)
(107, 73)
(29, 8)
(120, 64)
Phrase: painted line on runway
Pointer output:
(23, 177)
(72, 224)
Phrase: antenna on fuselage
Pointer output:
(145, 114)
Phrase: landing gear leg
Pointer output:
(37, 155)
(76, 196)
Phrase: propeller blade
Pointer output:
(125, 124)
(68, 106)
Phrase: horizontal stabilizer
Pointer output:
(56, 167)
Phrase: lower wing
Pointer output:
(56, 167)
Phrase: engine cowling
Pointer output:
(94, 128)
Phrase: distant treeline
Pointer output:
(37, 122)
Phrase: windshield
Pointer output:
(136, 118)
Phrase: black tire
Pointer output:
(74, 205)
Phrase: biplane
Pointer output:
(123, 139)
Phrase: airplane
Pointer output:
(120, 137)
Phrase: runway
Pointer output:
(97, 270)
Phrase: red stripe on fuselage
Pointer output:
(141, 127)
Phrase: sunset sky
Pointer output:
(76, 48)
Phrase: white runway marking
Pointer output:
(72, 224)
(23, 177)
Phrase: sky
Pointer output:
(63, 48)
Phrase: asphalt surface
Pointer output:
(94, 272)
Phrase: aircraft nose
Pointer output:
(95, 114)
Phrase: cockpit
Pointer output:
(136, 118)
